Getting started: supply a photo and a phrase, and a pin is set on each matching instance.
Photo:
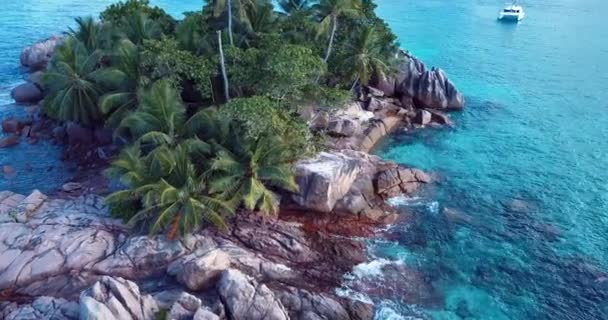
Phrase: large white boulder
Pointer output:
(324, 180)
(246, 299)
(39, 54)
(116, 298)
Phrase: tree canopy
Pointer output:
(209, 105)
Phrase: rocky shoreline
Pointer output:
(65, 257)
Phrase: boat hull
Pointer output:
(511, 17)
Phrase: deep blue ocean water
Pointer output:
(523, 173)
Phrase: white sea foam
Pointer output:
(387, 313)
(346, 292)
(370, 269)
(387, 310)
(433, 207)
(403, 200)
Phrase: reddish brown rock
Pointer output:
(9, 141)
(12, 125)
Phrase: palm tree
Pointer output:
(261, 18)
(223, 66)
(160, 116)
(138, 27)
(220, 6)
(194, 34)
(329, 11)
(88, 32)
(117, 103)
(367, 58)
(95, 35)
(169, 189)
(75, 83)
(243, 169)
(291, 6)
(160, 120)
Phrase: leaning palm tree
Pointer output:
(74, 83)
(168, 188)
(366, 58)
(223, 66)
(221, 6)
(329, 11)
(243, 170)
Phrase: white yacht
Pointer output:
(511, 12)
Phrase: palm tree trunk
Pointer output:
(354, 84)
(334, 26)
(223, 66)
(229, 4)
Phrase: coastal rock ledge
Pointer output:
(429, 88)
(38, 55)
(69, 259)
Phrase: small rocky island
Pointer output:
(242, 152)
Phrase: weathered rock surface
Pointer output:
(42, 308)
(247, 299)
(205, 314)
(39, 54)
(116, 298)
(27, 93)
(423, 117)
(324, 180)
(429, 88)
(62, 246)
(320, 121)
(9, 141)
(395, 181)
(352, 181)
(200, 270)
(79, 135)
(189, 307)
(343, 127)
(12, 125)
(36, 78)
(305, 305)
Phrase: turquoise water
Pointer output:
(535, 129)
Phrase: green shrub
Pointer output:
(163, 59)
(260, 115)
(276, 69)
(115, 13)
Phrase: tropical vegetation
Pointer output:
(209, 105)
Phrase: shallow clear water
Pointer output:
(22, 23)
(535, 129)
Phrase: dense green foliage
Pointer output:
(164, 60)
(279, 70)
(116, 13)
(75, 84)
(209, 105)
(259, 116)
